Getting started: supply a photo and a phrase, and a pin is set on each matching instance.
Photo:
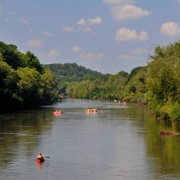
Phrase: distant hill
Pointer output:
(71, 72)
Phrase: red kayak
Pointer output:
(39, 160)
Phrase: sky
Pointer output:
(107, 36)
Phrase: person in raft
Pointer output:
(40, 156)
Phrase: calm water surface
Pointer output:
(121, 143)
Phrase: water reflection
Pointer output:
(39, 165)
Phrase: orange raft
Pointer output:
(57, 113)
(91, 110)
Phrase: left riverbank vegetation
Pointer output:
(24, 81)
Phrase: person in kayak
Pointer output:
(40, 156)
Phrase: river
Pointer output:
(118, 143)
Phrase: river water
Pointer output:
(119, 143)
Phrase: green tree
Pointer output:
(135, 88)
(28, 85)
(8, 85)
(32, 61)
(11, 55)
(163, 82)
(47, 88)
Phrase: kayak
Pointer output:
(39, 160)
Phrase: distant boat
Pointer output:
(90, 110)
(57, 113)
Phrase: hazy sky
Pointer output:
(103, 35)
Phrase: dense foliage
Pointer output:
(71, 72)
(24, 82)
(163, 82)
(106, 88)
